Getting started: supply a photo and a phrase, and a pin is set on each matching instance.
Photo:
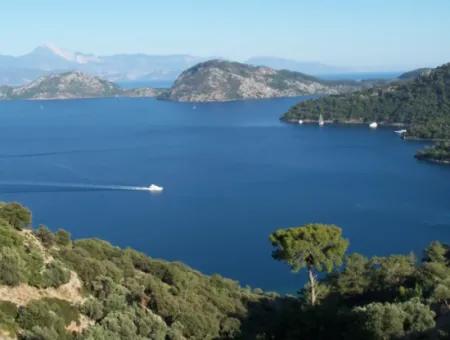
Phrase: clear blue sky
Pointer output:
(376, 33)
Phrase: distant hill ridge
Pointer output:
(70, 85)
(221, 80)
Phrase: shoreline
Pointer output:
(432, 160)
(345, 122)
(418, 156)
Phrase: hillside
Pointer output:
(69, 85)
(53, 287)
(411, 75)
(422, 104)
(219, 80)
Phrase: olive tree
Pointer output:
(317, 247)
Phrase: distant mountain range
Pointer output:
(121, 67)
(138, 67)
(71, 85)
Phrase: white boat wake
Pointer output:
(151, 188)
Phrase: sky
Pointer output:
(370, 34)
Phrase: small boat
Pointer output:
(155, 188)
(321, 121)
(373, 125)
(300, 121)
(400, 132)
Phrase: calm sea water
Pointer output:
(233, 173)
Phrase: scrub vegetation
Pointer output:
(53, 287)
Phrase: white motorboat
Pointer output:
(300, 121)
(400, 132)
(155, 188)
(373, 125)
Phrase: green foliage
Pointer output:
(314, 246)
(317, 246)
(46, 237)
(93, 308)
(12, 267)
(54, 275)
(437, 252)
(47, 317)
(132, 296)
(8, 314)
(354, 279)
(439, 153)
(16, 215)
(392, 271)
(387, 321)
(62, 237)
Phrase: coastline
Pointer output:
(418, 154)
(343, 122)
(432, 160)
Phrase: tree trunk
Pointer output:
(312, 283)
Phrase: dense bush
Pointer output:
(15, 214)
(390, 320)
(132, 296)
(439, 152)
(45, 236)
(47, 319)
(54, 275)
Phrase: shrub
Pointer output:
(62, 237)
(16, 215)
(93, 309)
(45, 236)
(8, 313)
(11, 267)
(47, 318)
(55, 275)
(390, 320)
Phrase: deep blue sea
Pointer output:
(232, 174)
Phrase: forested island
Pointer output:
(53, 287)
(421, 104)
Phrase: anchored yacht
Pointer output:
(321, 121)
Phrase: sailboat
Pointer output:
(321, 121)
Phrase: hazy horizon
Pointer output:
(377, 36)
